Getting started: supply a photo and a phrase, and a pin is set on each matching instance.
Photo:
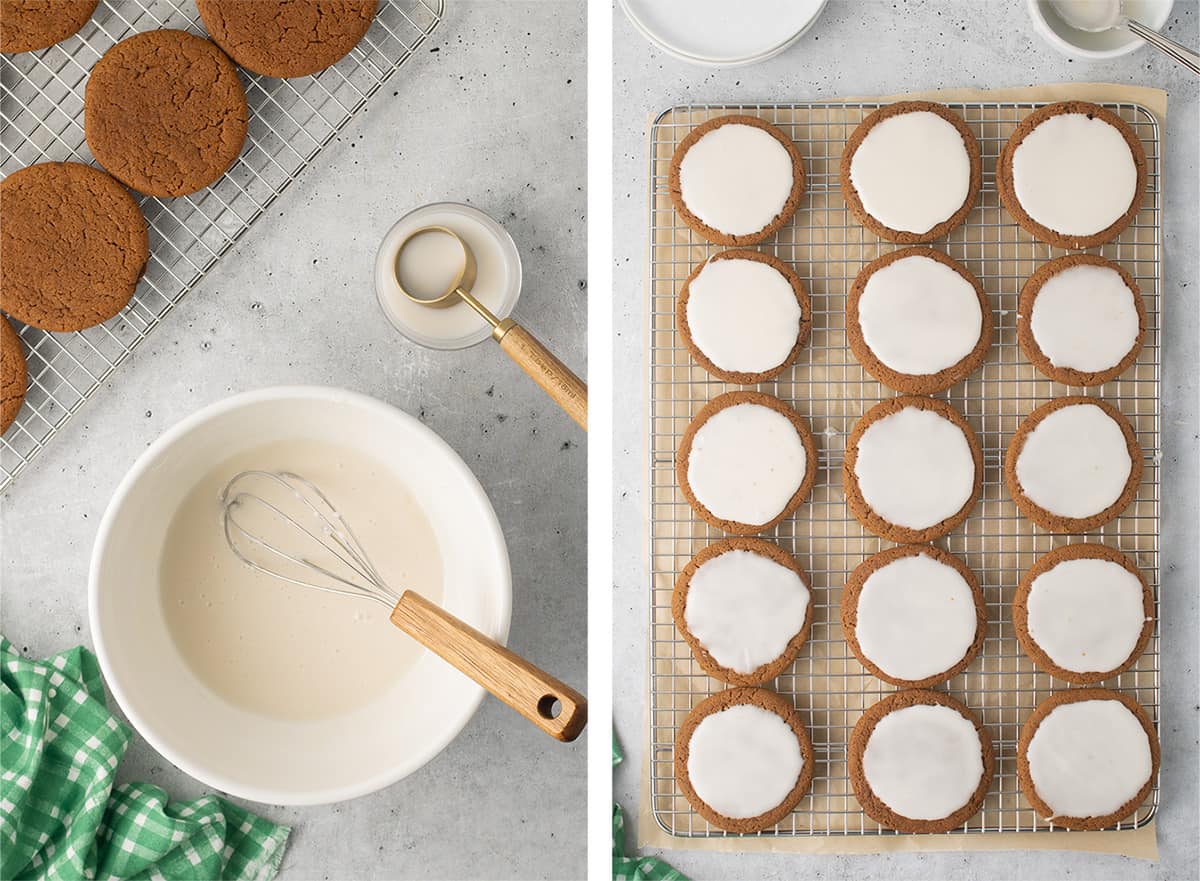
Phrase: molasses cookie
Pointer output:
(13, 375)
(1083, 613)
(913, 469)
(914, 615)
(746, 461)
(1073, 464)
(918, 321)
(920, 761)
(911, 171)
(164, 112)
(743, 759)
(744, 315)
(286, 38)
(1081, 320)
(29, 25)
(1072, 174)
(736, 180)
(745, 609)
(72, 246)
(1087, 758)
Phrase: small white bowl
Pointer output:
(285, 761)
(1096, 46)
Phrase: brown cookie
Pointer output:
(858, 505)
(1020, 610)
(28, 25)
(854, 202)
(853, 590)
(287, 38)
(14, 377)
(1008, 195)
(679, 596)
(802, 332)
(72, 246)
(164, 112)
(1029, 344)
(716, 235)
(1030, 728)
(872, 805)
(1048, 519)
(910, 383)
(716, 405)
(723, 700)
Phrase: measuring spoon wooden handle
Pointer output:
(555, 378)
(530, 691)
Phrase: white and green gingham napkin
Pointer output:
(627, 868)
(61, 816)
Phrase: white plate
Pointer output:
(254, 756)
(1106, 44)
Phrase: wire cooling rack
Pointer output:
(827, 247)
(41, 119)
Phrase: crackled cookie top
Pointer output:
(29, 25)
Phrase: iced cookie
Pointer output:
(1087, 758)
(744, 316)
(914, 615)
(920, 761)
(746, 461)
(913, 469)
(1081, 320)
(1073, 464)
(736, 180)
(1072, 174)
(1083, 613)
(745, 609)
(911, 171)
(918, 321)
(29, 25)
(743, 759)
(14, 376)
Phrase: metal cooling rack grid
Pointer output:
(41, 119)
(827, 247)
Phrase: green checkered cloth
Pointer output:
(61, 816)
(634, 868)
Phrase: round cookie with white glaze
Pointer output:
(746, 461)
(914, 615)
(744, 315)
(920, 761)
(1083, 613)
(744, 607)
(1072, 174)
(736, 180)
(1081, 320)
(1073, 464)
(1087, 758)
(913, 469)
(743, 759)
(918, 321)
(911, 171)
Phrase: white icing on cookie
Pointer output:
(743, 315)
(1074, 175)
(924, 762)
(745, 608)
(912, 171)
(1088, 758)
(915, 468)
(736, 178)
(919, 316)
(747, 462)
(1075, 462)
(1085, 318)
(1086, 614)
(916, 617)
(743, 761)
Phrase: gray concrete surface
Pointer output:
(875, 48)
(492, 111)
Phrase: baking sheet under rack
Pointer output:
(41, 119)
(827, 247)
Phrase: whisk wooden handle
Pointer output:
(531, 692)
(555, 378)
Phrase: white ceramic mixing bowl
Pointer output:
(284, 761)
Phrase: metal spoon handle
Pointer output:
(1181, 54)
